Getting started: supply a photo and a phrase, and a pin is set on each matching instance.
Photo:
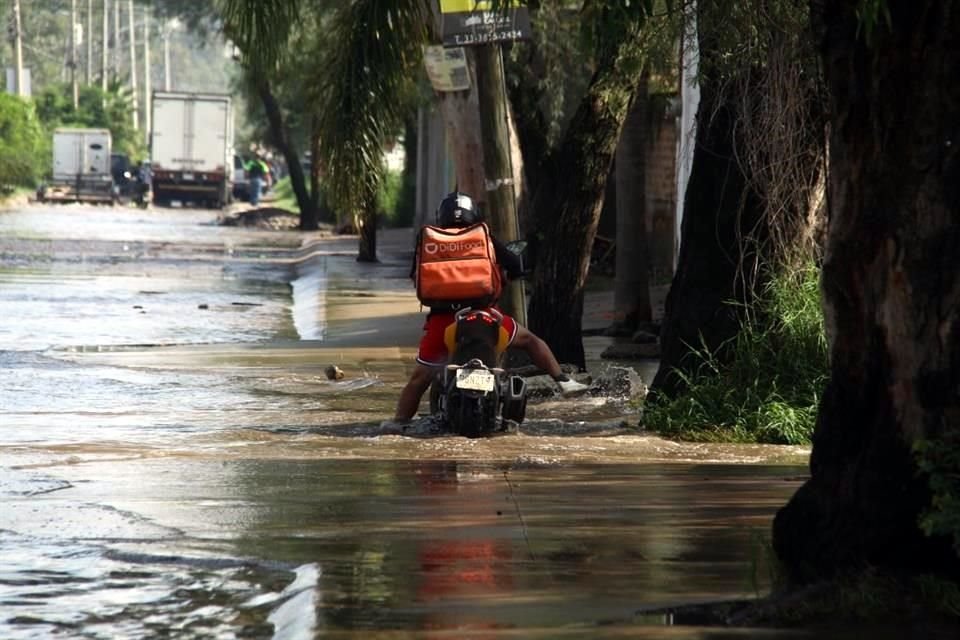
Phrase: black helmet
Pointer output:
(457, 210)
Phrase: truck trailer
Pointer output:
(191, 148)
(81, 167)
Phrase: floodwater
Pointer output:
(174, 463)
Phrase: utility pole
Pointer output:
(166, 56)
(133, 65)
(147, 89)
(89, 36)
(116, 39)
(497, 163)
(73, 53)
(17, 50)
(106, 46)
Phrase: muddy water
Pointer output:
(175, 463)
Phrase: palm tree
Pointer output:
(354, 85)
(371, 50)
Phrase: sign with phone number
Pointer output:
(474, 22)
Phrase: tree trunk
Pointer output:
(891, 292)
(366, 224)
(308, 212)
(568, 203)
(317, 198)
(632, 285)
(718, 211)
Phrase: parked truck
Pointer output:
(191, 148)
(81, 167)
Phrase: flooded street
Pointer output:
(174, 462)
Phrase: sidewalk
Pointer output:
(395, 318)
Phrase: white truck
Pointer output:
(191, 148)
(81, 167)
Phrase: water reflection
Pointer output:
(174, 463)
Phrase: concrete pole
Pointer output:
(73, 53)
(105, 37)
(133, 65)
(166, 57)
(690, 101)
(116, 39)
(497, 163)
(89, 36)
(17, 50)
(147, 89)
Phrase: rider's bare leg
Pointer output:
(410, 396)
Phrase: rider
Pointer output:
(457, 210)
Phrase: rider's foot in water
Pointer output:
(570, 388)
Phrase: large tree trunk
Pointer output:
(308, 212)
(568, 201)
(747, 209)
(891, 292)
(712, 269)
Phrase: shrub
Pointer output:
(767, 390)
(939, 459)
(111, 110)
(395, 200)
(24, 148)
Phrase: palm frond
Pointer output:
(259, 28)
(373, 46)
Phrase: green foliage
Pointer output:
(111, 110)
(939, 459)
(871, 13)
(389, 195)
(259, 29)
(283, 196)
(766, 389)
(24, 147)
(394, 199)
(366, 67)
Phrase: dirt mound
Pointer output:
(262, 218)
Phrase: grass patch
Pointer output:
(939, 459)
(283, 197)
(768, 390)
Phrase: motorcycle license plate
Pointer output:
(475, 379)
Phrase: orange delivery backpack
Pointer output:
(457, 267)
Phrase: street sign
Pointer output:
(447, 68)
(470, 22)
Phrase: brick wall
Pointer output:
(661, 194)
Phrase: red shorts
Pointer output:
(433, 347)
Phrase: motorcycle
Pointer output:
(472, 396)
